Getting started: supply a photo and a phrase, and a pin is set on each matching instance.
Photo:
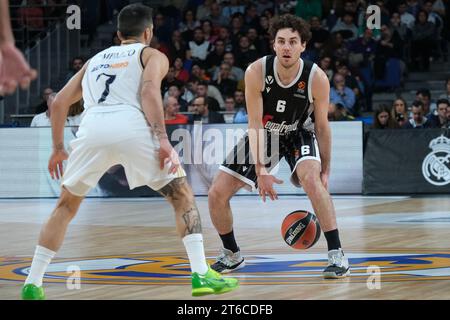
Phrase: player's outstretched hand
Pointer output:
(265, 186)
(55, 163)
(167, 154)
(14, 69)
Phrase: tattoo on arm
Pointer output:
(192, 220)
(159, 131)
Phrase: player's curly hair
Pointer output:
(293, 22)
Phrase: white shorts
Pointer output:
(110, 136)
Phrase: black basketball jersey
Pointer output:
(287, 108)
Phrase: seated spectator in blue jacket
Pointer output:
(440, 120)
(418, 120)
(340, 93)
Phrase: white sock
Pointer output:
(196, 253)
(41, 260)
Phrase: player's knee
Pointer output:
(216, 194)
(310, 182)
(66, 208)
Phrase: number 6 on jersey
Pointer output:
(281, 105)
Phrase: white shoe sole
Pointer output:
(332, 275)
(237, 268)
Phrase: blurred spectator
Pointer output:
(340, 93)
(258, 42)
(336, 48)
(399, 111)
(190, 91)
(75, 66)
(203, 113)
(175, 91)
(244, 54)
(224, 83)
(188, 25)
(251, 17)
(424, 95)
(42, 107)
(199, 72)
(171, 112)
(382, 118)
(446, 95)
(216, 102)
(224, 35)
(31, 16)
(199, 47)
(216, 16)
(413, 6)
(353, 83)
(362, 50)
(308, 8)
(239, 98)
(215, 57)
(232, 7)
(204, 10)
(241, 116)
(162, 28)
(263, 30)
(440, 120)
(338, 112)
(236, 72)
(262, 5)
(206, 26)
(162, 47)
(399, 27)
(230, 109)
(74, 115)
(422, 41)
(325, 65)
(43, 119)
(407, 18)
(319, 37)
(180, 73)
(115, 39)
(418, 120)
(177, 47)
(169, 80)
(236, 28)
(346, 27)
(390, 46)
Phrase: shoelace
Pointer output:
(336, 260)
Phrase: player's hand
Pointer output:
(55, 164)
(324, 176)
(167, 154)
(265, 186)
(14, 69)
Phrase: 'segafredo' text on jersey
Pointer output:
(287, 108)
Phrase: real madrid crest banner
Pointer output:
(407, 161)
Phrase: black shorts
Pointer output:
(294, 148)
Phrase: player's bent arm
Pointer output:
(71, 93)
(156, 68)
(321, 96)
(254, 101)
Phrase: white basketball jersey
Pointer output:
(113, 77)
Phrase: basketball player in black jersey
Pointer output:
(287, 97)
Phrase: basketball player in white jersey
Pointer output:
(123, 124)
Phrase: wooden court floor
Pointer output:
(399, 248)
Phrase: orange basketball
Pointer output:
(300, 229)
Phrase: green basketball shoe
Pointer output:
(32, 292)
(211, 283)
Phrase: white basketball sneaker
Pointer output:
(228, 261)
(338, 266)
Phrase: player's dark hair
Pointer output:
(134, 19)
(292, 22)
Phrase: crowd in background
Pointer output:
(210, 43)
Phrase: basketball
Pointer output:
(300, 229)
